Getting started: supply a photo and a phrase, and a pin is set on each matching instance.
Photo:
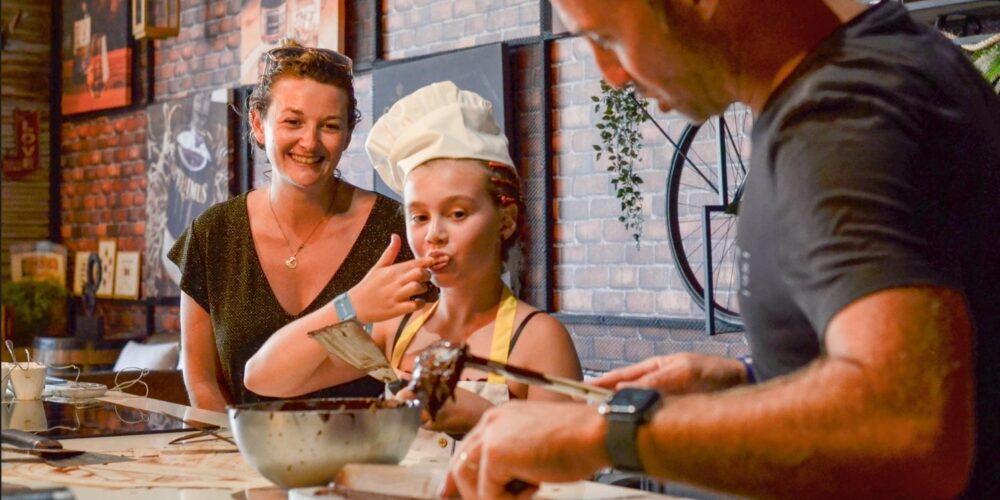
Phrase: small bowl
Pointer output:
(306, 442)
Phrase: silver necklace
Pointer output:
(293, 261)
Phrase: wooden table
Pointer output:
(204, 470)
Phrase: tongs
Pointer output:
(203, 430)
(349, 342)
(443, 352)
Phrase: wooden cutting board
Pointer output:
(394, 482)
(377, 482)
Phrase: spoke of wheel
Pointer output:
(691, 251)
(674, 144)
(723, 257)
(737, 149)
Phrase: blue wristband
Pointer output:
(748, 365)
(345, 310)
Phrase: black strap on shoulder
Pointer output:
(520, 328)
(399, 331)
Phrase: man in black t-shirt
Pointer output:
(870, 287)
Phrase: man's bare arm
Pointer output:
(887, 411)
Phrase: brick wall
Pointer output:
(420, 27)
(103, 195)
(599, 270)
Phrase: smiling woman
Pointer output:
(255, 263)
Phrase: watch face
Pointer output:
(634, 401)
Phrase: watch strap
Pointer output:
(620, 442)
(345, 310)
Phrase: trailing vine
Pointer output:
(621, 117)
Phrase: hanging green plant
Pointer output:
(621, 115)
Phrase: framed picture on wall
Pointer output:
(263, 23)
(96, 56)
(188, 170)
(80, 271)
(127, 277)
(107, 250)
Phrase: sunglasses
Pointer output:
(279, 54)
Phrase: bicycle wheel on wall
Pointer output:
(705, 186)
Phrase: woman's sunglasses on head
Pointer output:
(278, 54)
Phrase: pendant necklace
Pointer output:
(293, 261)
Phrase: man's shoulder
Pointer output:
(882, 63)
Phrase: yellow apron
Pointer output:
(438, 446)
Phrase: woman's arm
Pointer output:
(199, 357)
(291, 364)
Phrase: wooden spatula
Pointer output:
(350, 342)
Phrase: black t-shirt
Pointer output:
(875, 165)
(222, 273)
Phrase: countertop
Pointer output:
(203, 469)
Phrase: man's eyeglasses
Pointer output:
(277, 54)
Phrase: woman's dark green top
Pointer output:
(221, 272)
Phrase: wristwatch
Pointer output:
(345, 311)
(625, 412)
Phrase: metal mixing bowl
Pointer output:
(306, 442)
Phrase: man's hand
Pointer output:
(388, 289)
(683, 373)
(530, 442)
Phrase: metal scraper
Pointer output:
(349, 341)
(52, 452)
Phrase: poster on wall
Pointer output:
(96, 55)
(23, 159)
(106, 250)
(263, 23)
(188, 170)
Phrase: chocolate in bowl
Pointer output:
(305, 442)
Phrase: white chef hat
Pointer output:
(436, 121)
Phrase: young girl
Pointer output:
(441, 148)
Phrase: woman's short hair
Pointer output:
(291, 59)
